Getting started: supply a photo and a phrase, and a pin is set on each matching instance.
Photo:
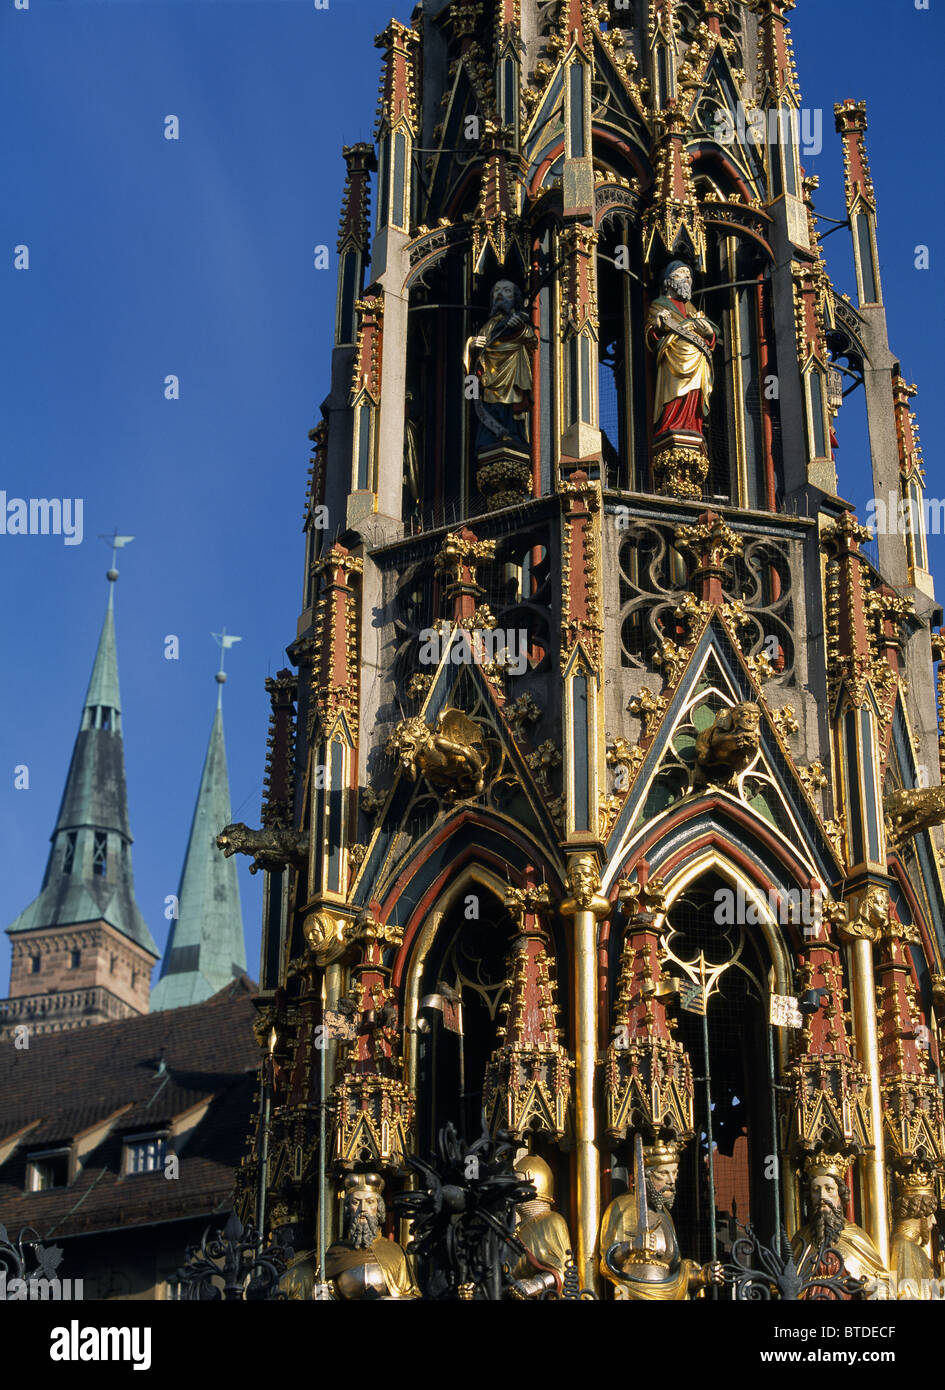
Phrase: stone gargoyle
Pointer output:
(911, 810)
(452, 757)
(726, 747)
(270, 849)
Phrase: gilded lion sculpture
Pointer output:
(452, 757)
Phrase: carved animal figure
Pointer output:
(452, 758)
(911, 810)
(271, 849)
(727, 746)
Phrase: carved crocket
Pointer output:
(452, 757)
(909, 811)
(727, 746)
(271, 849)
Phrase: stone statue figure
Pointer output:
(543, 1233)
(501, 356)
(639, 1251)
(683, 340)
(827, 1225)
(365, 1264)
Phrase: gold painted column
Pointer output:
(860, 932)
(586, 906)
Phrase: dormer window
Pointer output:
(48, 1169)
(144, 1153)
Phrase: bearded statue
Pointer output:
(501, 356)
(639, 1251)
(914, 1211)
(366, 1264)
(682, 340)
(828, 1229)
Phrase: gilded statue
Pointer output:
(827, 1225)
(727, 746)
(452, 757)
(298, 1282)
(914, 1212)
(583, 884)
(683, 340)
(366, 1264)
(639, 1250)
(501, 356)
(911, 810)
(543, 1232)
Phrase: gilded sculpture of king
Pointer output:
(365, 1264)
(501, 357)
(827, 1226)
(682, 340)
(638, 1245)
(914, 1220)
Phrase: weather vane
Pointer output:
(117, 543)
(224, 641)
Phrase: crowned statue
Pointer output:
(366, 1264)
(914, 1219)
(828, 1229)
(639, 1251)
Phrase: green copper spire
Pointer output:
(206, 947)
(88, 874)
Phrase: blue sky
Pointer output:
(194, 257)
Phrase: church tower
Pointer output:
(206, 949)
(604, 801)
(82, 953)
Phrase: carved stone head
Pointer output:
(506, 298)
(677, 281)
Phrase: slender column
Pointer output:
(586, 906)
(865, 1031)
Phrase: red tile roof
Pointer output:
(73, 1080)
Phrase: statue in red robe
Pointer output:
(683, 340)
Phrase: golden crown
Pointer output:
(660, 1153)
(365, 1182)
(824, 1164)
(915, 1182)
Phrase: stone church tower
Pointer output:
(604, 806)
(82, 953)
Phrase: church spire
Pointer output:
(84, 937)
(206, 947)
